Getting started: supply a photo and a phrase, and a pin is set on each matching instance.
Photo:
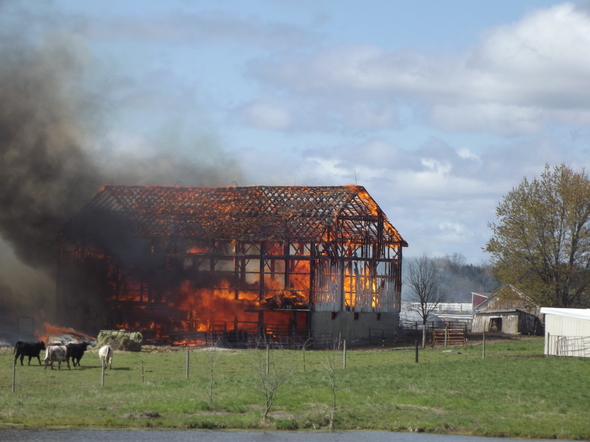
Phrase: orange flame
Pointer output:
(50, 331)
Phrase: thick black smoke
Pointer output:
(50, 125)
(46, 172)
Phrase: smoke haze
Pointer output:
(52, 160)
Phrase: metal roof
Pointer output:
(241, 213)
(578, 313)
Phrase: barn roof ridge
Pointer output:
(499, 294)
(262, 212)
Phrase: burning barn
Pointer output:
(271, 262)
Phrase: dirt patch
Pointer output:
(283, 415)
(175, 349)
(143, 415)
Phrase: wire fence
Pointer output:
(577, 346)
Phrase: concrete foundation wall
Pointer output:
(352, 326)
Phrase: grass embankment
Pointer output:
(512, 392)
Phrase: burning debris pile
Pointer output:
(54, 334)
(286, 299)
(27, 329)
(183, 264)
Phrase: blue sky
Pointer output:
(437, 108)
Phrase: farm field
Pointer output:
(514, 391)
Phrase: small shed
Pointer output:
(567, 331)
(507, 311)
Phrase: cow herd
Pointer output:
(60, 353)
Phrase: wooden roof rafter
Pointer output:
(296, 213)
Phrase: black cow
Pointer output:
(76, 351)
(30, 349)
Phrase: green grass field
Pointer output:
(513, 392)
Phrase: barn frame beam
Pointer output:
(267, 249)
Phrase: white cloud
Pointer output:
(355, 68)
(514, 81)
(436, 167)
(489, 117)
(465, 153)
(266, 115)
(542, 59)
(364, 116)
(203, 27)
(452, 228)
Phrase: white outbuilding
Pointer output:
(567, 331)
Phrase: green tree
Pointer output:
(541, 241)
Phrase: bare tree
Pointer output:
(272, 375)
(213, 356)
(425, 281)
(331, 370)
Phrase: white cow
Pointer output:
(57, 353)
(106, 356)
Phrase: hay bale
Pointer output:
(120, 340)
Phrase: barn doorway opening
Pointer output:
(496, 325)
